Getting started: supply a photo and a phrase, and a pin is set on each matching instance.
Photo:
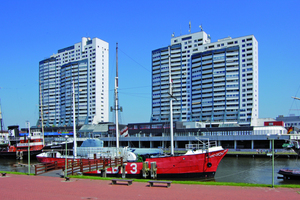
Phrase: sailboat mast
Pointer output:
(116, 99)
(74, 124)
(1, 119)
(42, 118)
(171, 104)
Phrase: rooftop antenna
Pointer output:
(201, 27)
(190, 27)
(1, 118)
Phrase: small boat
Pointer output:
(20, 149)
(90, 149)
(58, 146)
(293, 144)
(289, 174)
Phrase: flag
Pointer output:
(290, 130)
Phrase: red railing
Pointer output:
(82, 166)
(76, 166)
(44, 167)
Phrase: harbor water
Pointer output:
(231, 169)
(254, 170)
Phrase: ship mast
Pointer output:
(116, 99)
(74, 124)
(171, 104)
(42, 118)
(1, 119)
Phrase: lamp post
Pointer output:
(66, 166)
(273, 163)
(29, 137)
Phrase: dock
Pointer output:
(261, 153)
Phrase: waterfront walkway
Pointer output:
(43, 187)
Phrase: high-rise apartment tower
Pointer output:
(86, 65)
(212, 82)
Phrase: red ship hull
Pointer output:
(191, 166)
(20, 150)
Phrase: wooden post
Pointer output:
(72, 167)
(123, 171)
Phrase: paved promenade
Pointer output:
(43, 187)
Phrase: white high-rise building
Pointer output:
(212, 82)
(86, 64)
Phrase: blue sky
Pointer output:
(31, 31)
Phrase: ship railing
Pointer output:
(12, 138)
(113, 152)
(202, 144)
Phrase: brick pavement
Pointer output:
(42, 187)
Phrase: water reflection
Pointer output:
(14, 165)
(254, 170)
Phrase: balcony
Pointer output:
(217, 65)
(235, 53)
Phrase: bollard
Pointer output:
(123, 171)
(145, 169)
(103, 173)
(153, 170)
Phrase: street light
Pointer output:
(66, 166)
(29, 137)
(272, 139)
